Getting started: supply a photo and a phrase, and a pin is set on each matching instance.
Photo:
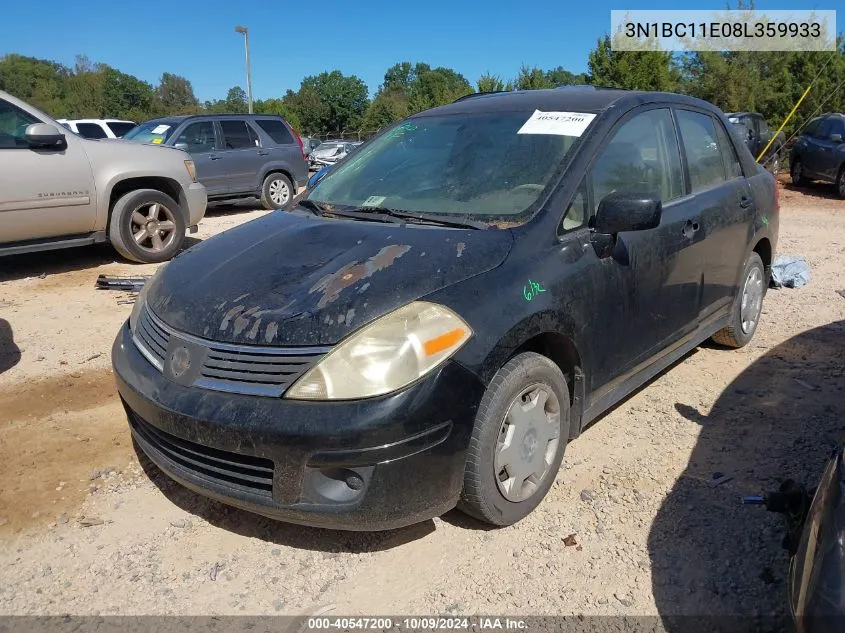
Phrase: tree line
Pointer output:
(333, 103)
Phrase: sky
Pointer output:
(289, 41)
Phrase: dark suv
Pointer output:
(236, 155)
(449, 306)
(819, 153)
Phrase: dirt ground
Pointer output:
(88, 528)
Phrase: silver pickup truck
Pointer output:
(59, 190)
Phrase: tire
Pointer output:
(774, 163)
(486, 478)
(277, 192)
(840, 182)
(159, 242)
(747, 306)
(797, 173)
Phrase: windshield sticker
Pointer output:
(559, 123)
(160, 129)
(157, 141)
(373, 201)
(532, 290)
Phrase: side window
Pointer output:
(276, 130)
(811, 127)
(576, 214)
(732, 165)
(823, 130)
(13, 124)
(702, 151)
(199, 137)
(91, 130)
(253, 135)
(642, 156)
(764, 128)
(119, 127)
(838, 127)
(235, 134)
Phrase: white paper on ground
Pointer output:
(160, 129)
(560, 123)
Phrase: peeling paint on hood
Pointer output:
(290, 280)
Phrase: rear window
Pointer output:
(118, 128)
(91, 130)
(276, 130)
(156, 132)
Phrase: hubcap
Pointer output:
(752, 300)
(153, 227)
(279, 192)
(528, 442)
(775, 165)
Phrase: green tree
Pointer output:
(561, 77)
(436, 87)
(280, 107)
(490, 83)
(37, 81)
(125, 96)
(309, 109)
(646, 69)
(387, 106)
(532, 79)
(343, 99)
(176, 95)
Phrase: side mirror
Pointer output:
(182, 146)
(836, 138)
(623, 211)
(44, 135)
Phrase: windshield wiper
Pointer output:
(424, 218)
(312, 206)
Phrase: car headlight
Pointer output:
(192, 169)
(141, 299)
(388, 354)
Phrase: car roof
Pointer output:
(565, 99)
(95, 121)
(182, 117)
(744, 113)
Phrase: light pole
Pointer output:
(245, 31)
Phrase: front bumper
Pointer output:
(196, 201)
(373, 464)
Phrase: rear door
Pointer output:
(199, 139)
(726, 205)
(828, 166)
(283, 146)
(241, 149)
(43, 193)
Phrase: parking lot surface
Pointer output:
(633, 525)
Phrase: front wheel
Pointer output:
(774, 163)
(518, 441)
(840, 182)
(276, 192)
(747, 306)
(147, 226)
(797, 173)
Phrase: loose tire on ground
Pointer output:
(277, 192)
(747, 306)
(147, 226)
(484, 494)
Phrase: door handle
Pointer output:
(215, 157)
(263, 152)
(745, 202)
(690, 228)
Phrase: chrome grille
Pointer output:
(244, 369)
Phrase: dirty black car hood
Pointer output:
(295, 281)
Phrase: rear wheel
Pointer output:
(798, 177)
(276, 192)
(840, 182)
(747, 306)
(518, 441)
(147, 226)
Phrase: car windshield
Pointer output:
(478, 165)
(156, 132)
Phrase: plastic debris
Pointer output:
(790, 271)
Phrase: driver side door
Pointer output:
(45, 192)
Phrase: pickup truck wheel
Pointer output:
(276, 192)
(797, 173)
(518, 441)
(840, 182)
(747, 306)
(147, 226)
(774, 163)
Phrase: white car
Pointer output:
(98, 128)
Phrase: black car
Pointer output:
(753, 129)
(450, 306)
(819, 153)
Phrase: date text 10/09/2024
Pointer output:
(707, 30)
(417, 624)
